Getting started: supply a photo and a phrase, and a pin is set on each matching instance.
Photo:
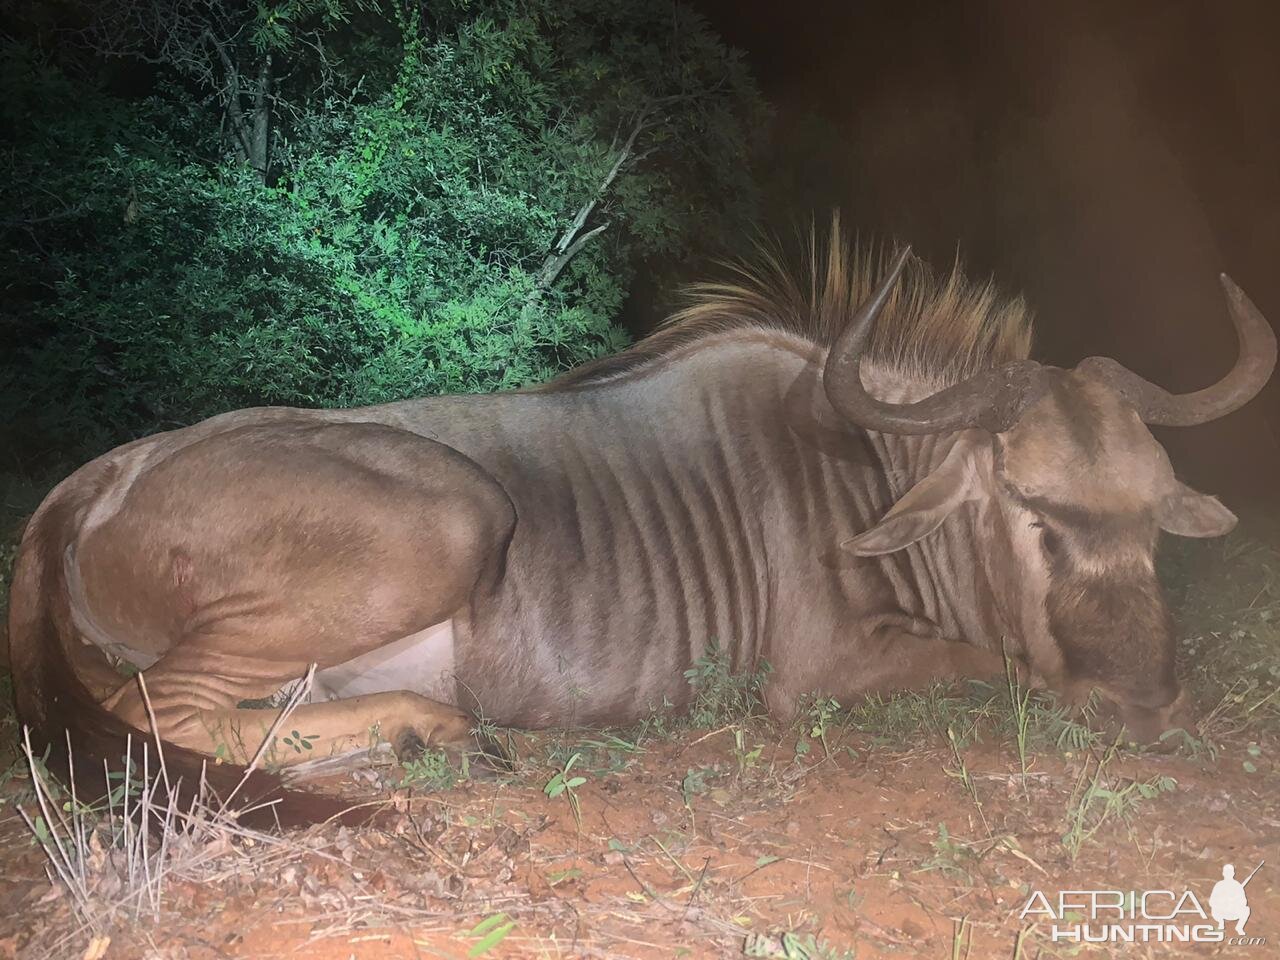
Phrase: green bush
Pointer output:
(461, 205)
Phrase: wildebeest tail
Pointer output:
(52, 699)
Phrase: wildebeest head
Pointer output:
(1072, 491)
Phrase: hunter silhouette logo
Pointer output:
(1147, 916)
(1228, 900)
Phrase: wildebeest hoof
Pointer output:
(408, 745)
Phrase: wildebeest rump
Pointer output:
(866, 484)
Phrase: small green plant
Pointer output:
(745, 758)
(432, 770)
(898, 720)
(1033, 720)
(563, 784)
(950, 856)
(298, 742)
(1188, 744)
(821, 713)
(658, 723)
(615, 751)
(1059, 727)
(607, 752)
(1255, 753)
(488, 735)
(961, 772)
(1020, 701)
(1099, 797)
(721, 697)
(121, 784)
(489, 932)
(485, 727)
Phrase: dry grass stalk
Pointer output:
(113, 857)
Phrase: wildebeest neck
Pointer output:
(952, 577)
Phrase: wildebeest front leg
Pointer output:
(898, 660)
(886, 658)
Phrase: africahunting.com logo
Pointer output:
(1148, 916)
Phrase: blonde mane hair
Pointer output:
(934, 330)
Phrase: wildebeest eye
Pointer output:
(1049, 540)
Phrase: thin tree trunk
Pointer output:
(260, 156)
(252, 135)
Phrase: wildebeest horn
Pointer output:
(992, 399)
(1256, 361)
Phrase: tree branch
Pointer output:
(587, 208)
(572, 240)
(555, 263)
(239, 125)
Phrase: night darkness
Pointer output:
(1107, 160)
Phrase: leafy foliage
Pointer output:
(457, 199)
(432, 771)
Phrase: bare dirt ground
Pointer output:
(883, 853)
(919, 826)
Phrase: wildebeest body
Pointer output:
(716, 521)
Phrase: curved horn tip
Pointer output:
(1245, 313)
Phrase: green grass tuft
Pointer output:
(721, 697)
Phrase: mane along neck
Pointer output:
(933, 332)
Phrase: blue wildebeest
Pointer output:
(856, 476)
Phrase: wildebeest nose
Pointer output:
(1164, 709)
(1158, 696)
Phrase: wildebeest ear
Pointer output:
(1189, 514)
(928, 503)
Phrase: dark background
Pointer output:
(1105, 159)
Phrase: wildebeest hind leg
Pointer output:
(245, 557)
(199, 710)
